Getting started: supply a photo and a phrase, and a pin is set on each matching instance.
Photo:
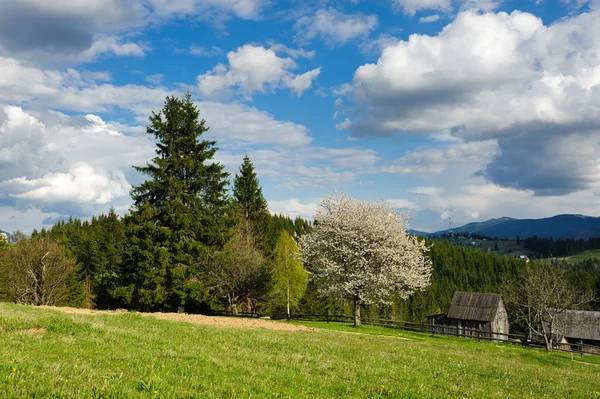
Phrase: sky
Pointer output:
(469, 109)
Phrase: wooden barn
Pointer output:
(580, 327)
(472, 314)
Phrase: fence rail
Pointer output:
(443, 330)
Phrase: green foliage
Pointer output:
(455, 268)
(179, 212)
(289, 278)
(36, 271)
(249, 197)
(235, 272)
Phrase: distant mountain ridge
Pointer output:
(559, 226)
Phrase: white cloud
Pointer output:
(293, 208)
(403, 204)
(65, 159)
(202, 51)
(430, 18)
(503, 77)
(112, 45)
(294, 53)
(239, 126)
(411, 7)
(335, 27)
(81, 184)
(205, 9)
(79, 31)
(475, 154)
(375, 46)
(428, 191)
(300, 83)
(254, 68)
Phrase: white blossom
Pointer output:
(361, 250)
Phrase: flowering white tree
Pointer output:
(361, 250)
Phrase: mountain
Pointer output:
(417, 233)
(560, 226)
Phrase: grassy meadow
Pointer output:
(47, 353)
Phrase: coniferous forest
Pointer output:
(198, 240)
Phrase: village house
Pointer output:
(580, 328)
(473, 314)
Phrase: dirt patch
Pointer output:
(77, 310)
(33, 331)
(229, 321)
(216, 321)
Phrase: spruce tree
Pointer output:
(249, 197)
(178, 212)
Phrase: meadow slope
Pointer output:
(49, 353)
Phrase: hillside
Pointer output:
(47, 353)
(560, 226)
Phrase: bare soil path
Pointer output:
(217, 321)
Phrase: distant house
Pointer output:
(473, 314)
(580, 327)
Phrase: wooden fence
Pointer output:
(463, 332)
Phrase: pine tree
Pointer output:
(249, 197)
(178, 212)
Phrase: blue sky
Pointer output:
(470, 109)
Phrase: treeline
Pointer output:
(99, 250)
(549, 247)
(196, 241)
(193, 241)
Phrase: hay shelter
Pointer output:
(473, 314)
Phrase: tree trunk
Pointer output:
(288, 298)
(548, 343)
(234, 310)
(357, 322)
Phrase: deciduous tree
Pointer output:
(233, 272)
(36, 271)
(538, 300)
(361, 250)
(288, 274)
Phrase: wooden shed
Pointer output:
(581, 327)
(473, 314)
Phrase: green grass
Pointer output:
(44, 353)
(591, 254)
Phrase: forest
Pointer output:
(198, 240)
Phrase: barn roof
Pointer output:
(474, 306)
(580, 324)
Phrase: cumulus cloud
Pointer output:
(429, 18)
(66, 30)
(254, 69)
(334, 27)
(80, 31)
(65, 159)
(475, 154)
(411, 7)
(81, 184)
(505, 77)
(294, 208)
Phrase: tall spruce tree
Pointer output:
(249, 197)
(178, 213)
